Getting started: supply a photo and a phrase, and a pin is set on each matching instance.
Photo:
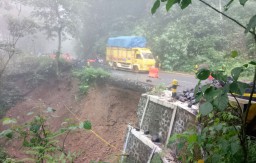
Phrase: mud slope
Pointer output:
(109, 109)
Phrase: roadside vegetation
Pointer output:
(39, 142)
(88, 76)
(181, 39)
(226, 130)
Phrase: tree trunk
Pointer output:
(59, 51)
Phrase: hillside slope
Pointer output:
(109, 109)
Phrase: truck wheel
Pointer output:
(135, 69)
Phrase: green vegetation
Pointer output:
(181, 39)
(40, 143)
(3, 155)
(158, 90)
(18, 28)
(58, 20)
(89, 76)
(156, 158)
(226, 134)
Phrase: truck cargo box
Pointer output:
(129, 52)
(127, 42)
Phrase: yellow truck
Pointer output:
(129, 52)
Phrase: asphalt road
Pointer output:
(185, 81)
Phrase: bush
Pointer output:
(88, 76)
(3, 155)
(39, 142)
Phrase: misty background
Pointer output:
(181, 38)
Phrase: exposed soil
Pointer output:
(109, 109)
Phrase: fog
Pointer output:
(68, 65)
(86, 26)
(35, 44)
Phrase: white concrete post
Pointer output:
(171, 125)
(126, 142)
(144, 111)
(151, 155)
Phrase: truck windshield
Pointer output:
(147, 56)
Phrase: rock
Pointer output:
(182, 99)
(191, 95)
(137, 129)
(155, 138)
(193, 102)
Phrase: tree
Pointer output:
(57, 18)
(250, 27)
(18, 28)
(100, 22)
(217, 98)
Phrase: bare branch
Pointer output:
(237, 22)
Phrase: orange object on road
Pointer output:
(153, 72)
(210, 77)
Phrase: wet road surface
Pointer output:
(185, 81)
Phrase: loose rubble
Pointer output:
(187, 96)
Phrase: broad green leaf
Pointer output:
(235, 73)
(203, 74)
(170, 3)
(252, 63)
(7, 133)
(238, 87)
(185, 3)
(226, 88)
(245, 65)
(155, 6)
(205, 108)
(7, 121)
(205, 87)
(234, 54)
(242, 2)
(219, 75)
(198, 96)
(251, 25)
(87, 125)
(221, 102)
(211, 93)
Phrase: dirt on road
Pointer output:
(108, 108)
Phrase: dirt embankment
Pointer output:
(109, 109)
